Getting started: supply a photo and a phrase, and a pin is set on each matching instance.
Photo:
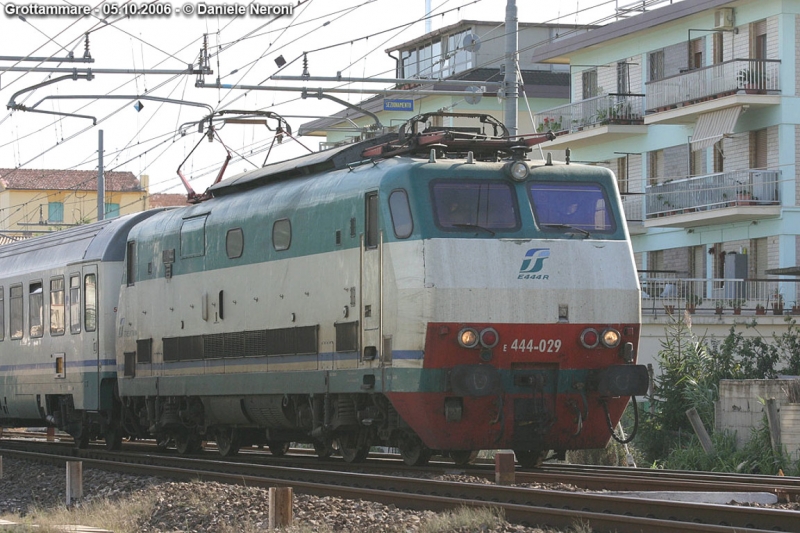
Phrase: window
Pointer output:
(656, 63)
(234, 243)
(718, 48)
(401, 214)
(655, 165)
(623, 78)
(2, 316)
(130, 270)
(16, 312)
(473, 205)
(758, 143)
(758, 43)
(193, 237)
(55, 212)
(75, 303)
(589, 81)
(719, 157)
(696, 53)
(90, 302)
(57, 308)
(371, 217)
(36, 309)
(282, 234)
(622, 174)
(112, 210)
(565, 206)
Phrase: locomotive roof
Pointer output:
(102, 241)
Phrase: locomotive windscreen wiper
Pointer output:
(573, 229)
(474, 226)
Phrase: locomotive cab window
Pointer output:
(75, 303)
(36, 309)
(475, 205)
(57, 309)
(16, 312)
(402, 222)
(234, 243)
(282, 234)
(562, 207)
(2, 316)
(90, 302)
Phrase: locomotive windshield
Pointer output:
(469, 205)
(581, 207)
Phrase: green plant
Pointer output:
(719, 304)
(693, 299)
(736, 303)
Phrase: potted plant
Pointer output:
(736, 304)
(753, 81)
(719, 305)
(777, 303)
(760, 310)
(692, 301)
(795, 309)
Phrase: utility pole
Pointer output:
(101, 180)
(510, 88)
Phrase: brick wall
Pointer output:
(675, 59)
(736, 150)
(676, 161)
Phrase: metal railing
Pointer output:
(606, 109)
(668, 295)
(633, 205)
(749, 75)
(713, 191)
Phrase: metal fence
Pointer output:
(713, 191)
(612, 108)
(667, 295)
(750, 75)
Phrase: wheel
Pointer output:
(277, 448)
(414, 452)
(322, 450)
(463, 457)
(227, 442)
(352, 450)
(81, 437)
(187, 443)
(529, 458)
(113, 437)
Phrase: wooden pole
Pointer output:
(700, 431)
(504, 473)
(774, 424)
(280, 507)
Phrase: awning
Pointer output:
(711, 127)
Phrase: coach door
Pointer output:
(91, 329)
(371, 260)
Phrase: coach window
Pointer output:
(57, 309)
(2, 316)
(282, 234)
(234, 243)
(16, 312)
(130, 271)
(401, 214)
(90, 302)
(36, 309)
(75, 303)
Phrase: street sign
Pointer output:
(398, 105)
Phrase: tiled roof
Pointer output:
(49, 179)
(167, 200)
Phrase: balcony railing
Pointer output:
(748, 75)
(720, 296)
(596, 111)
(632, 205)
(714, 191)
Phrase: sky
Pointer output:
(342, 36)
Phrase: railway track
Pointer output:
(605, 512)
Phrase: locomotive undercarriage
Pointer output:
(83, 425)
(335, 424)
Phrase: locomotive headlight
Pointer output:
(518, 170)
(468, 338)
(610, 338)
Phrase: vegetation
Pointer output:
(690, 371)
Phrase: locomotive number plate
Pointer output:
(531, 345)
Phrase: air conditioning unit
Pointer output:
(723, 19)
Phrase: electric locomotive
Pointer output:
(431, 290)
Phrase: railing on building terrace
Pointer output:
(632, 204)
(758, 76)
(597, 111)
(670, 295)
(713, 191)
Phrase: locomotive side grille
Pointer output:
(283, 341)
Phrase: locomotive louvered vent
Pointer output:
(144, 350)
(258, 343)
(347, 337)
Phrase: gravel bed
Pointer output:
(201, 507)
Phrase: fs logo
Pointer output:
(534, 262)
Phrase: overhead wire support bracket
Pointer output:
(68, 59)
(320, 95)
(396, 81)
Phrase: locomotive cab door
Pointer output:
(371, 278)
(91, 337)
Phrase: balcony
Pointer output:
(679, 99)
(714, 199)
(633, 206)
(668, 295)
(615, 116)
